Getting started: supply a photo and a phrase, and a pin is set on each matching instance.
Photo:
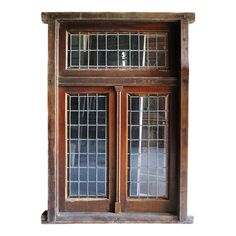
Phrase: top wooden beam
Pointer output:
(131, 16)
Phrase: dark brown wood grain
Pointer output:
(51, 122)
(125, 16)
(172, 80)
(114, 81)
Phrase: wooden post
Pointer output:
(183, 162)
(52, 87)
(118, 149)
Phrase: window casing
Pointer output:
(117, 118)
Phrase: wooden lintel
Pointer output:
(130, 16)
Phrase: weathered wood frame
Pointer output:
(53, 19)
(168, 204)
(66, 204)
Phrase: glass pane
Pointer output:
(101, 132)
(73, 160)
(101, 117)
(148, 142)
(74, 132)
(124, 42)
(92, 189)
(73, 189)
(83, 160)
(74, 174)
(92, 174)
(101, 160)
(83, 103)
(74, 42)
(92, 42)
(134, 42)
(74, 58)
(135, 118)
(112, 42)
(92, 146)
(134, 59)
(92, 132)
(87, 139)
(101, 41)
(101, 188)
(83, 189)
(92, 160)
(124, 59)
(73, 118)
(82, 118)
(117, 50)
(83, 174)
(112, 58)
(102, 59)
(101, 103)
(83, 131)
(101, 174)
(84, 58)
(101, 146)
(93, 59)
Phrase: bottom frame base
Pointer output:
(109, 217)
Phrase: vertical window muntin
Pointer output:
(123, 55)
(162, 141)
(93, 145)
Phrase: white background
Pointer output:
(23, 117)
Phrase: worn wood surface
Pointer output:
(174, 77)
(125, 81)
(126, 16)
(108, 217)
(80, 204)
(183, 155)
(152, 204)
(51, 121)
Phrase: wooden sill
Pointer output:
(108, 217)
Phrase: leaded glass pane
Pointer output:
(148, 145)
(132, 50)
(87, 144)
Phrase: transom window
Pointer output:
(117, 50)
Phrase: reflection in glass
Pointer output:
(148, 142)
(86, 141)
(118, 50)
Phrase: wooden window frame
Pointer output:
(118, 26)
(158, 204)
(58, 77)
(81, 204)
